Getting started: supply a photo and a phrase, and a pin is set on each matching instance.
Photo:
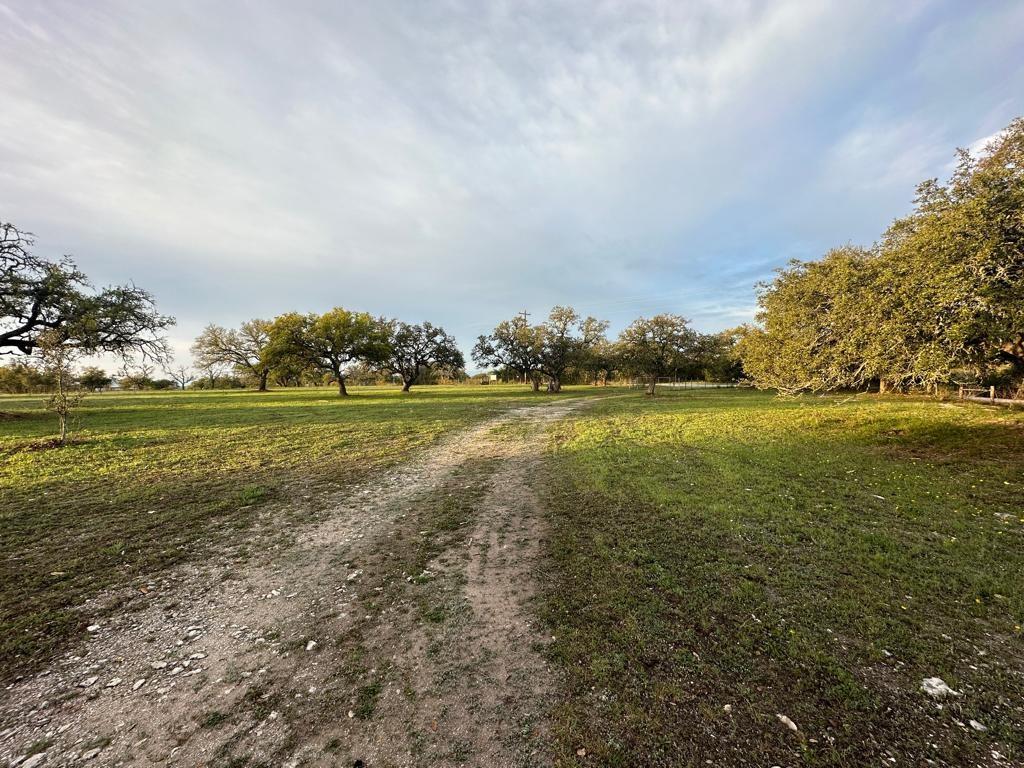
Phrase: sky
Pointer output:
(460, 162)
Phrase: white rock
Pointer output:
(114, 682)
(87, 682)
(977, 726)
(787, 722)
(36, 759)
(91, 754)
(93, 628)
(139, 683)
(158, 664)
(727, 708)
(936, 688)
(311, 645)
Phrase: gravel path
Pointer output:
(319, 648)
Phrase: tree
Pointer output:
(211, 372)
(818, 326)
(657, 346)
(94, 378)
(940, 296)
(719, 357)
(37, 296)
(513, 345)
(138, 377)
(181, 375)
(599, 365)
(566, 340)
(57, 358)
(329, 342)
(245, 349)
(21, 378)
(416, 349)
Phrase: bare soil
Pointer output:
(388, 626)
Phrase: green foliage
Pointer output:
(327, 343)
(417, 349)
(566, 341)
(94, 378)
(514, 345)
(21, 378)
(245, 350)
(941, 296)
(657, 346)
(37, 295)
(562, 343)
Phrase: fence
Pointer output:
(671, 383)
(986, 395)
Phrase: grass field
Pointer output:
(151, 479)
(721, 558)
(714, 558)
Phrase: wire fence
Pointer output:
(672, 383)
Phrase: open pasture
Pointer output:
(726, 557)
(151, 479)
(713, 566)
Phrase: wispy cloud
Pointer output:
(461, 161)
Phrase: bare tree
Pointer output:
(245, 349)
(181, 375)
(57, 358)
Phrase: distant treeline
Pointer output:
(938, 300)
(342, 346)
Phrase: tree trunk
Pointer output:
(535, 382)
(651, 385)
(406, 384)
(342, 392)
(554, 386)
(63, 428)
(264, 374)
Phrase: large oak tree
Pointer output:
(652, 347)
(39, 296)
(513, 345)
(567, 339)
(414, 349)
(328, 343)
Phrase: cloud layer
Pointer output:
(461, 161)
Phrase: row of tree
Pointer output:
(567, 344)
(939, 299)
(294, 347)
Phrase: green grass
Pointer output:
(151, 479)
(815, 558)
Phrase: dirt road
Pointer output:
(394, 630)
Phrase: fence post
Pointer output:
(961, 391)
(992, 393)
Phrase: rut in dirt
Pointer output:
(397, 631)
